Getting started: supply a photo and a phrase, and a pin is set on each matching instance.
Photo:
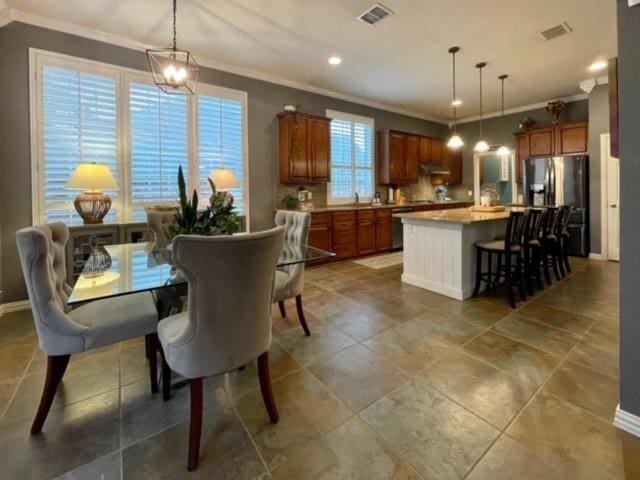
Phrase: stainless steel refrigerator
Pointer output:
(559, 181)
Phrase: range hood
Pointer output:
(434, 169)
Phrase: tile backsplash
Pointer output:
(423, 190)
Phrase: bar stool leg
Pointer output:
(476, 289)
(509, 280)
(520, 278)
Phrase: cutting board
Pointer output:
(492, 209)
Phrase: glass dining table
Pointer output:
(139, 267)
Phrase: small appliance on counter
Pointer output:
(441, 193)
(391, 196)
(376, 199)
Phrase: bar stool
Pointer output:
(563, 238)
(548, 241)
(509, 258)
(532, 248)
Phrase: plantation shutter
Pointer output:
(221, 143)
(159, 145)
(78, 125)
(351, 157)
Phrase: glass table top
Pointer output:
(137, 267)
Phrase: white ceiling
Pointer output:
(402, 62)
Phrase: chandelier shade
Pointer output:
(455, 142)
(173, 70)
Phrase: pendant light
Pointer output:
(481, 146)
(455, 142)
(503, 150)
(174, 70)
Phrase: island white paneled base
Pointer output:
(440, 256)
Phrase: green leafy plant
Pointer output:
(290, 201)
(219, 218)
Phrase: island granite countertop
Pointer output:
(455, 215)
(367, 206)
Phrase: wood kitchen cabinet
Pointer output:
(452, 159)
(304, 148)
(572, 138)
(320, 231)
(431, 150)
(384, 230)
(562, 139)
(398, 157)
(366, 232)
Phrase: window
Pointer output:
(351, 158)
(78, 125)
(84, 111)
(159, 145)
(220, 142)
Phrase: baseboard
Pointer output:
(14, 306)
(596, 256)
(627, 421)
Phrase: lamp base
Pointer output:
(92, 206)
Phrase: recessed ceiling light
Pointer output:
(335, 60)
(597, 66)
(456, 103)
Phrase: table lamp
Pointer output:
(224, 180)
(92, 204)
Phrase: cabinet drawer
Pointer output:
(344, 216)
(344, 226)
(366, 215)
(383, 213)
(345, 251)
(343, 238)
(320, 218)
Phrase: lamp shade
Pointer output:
(224, 179)
(91, 176)
(503, 151)
(455, 142)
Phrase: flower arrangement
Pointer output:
(218, 218)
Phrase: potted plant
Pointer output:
(218, 218)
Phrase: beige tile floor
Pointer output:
(394, 383)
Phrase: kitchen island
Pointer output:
(438, 248)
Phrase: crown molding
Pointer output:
(14, 15)
(5, 14)
(523, 108)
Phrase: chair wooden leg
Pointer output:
(166, 378)
(509, 281)
(521, 279)
(556, 262)
(283, 311)
(265, 387)
(300, 310)
(476, 289)
(195, 424)
(545, 266)
(56, 366)
(151, 342)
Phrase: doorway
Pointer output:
(610, 193)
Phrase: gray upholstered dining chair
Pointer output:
(228, 322)
(290, 279)
(158, 220)
(62, 331)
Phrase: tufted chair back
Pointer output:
(158, 220)
(42, 255)
(228, 322)
(296, 227)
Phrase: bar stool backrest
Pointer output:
(565, 220)
(533, 227)
(558, 223)
(515, 228)
(548, 226)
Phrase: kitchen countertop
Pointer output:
(455, 215)
(366, 206)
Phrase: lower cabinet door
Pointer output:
(366, 238)
(320, 237)
(384, 235)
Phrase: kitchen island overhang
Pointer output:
(439, 252)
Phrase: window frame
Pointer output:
(123, 76)
(349, 117)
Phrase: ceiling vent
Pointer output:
(374, 14)
(555, 32)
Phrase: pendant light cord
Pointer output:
(454, 94)
(175, 12)
(480, 66)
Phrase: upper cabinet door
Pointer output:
(437, 151)
(397, 164)
(425, 149)
(572, 138)
(320, 146)
(412, 158)
(541, 142)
